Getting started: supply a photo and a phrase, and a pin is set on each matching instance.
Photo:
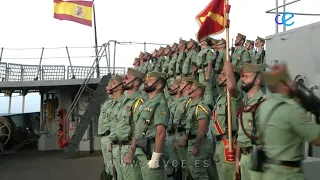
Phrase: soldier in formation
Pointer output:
(160, 118)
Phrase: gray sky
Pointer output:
(31, 25)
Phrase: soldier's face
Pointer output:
(128, 82)
(182, 86)
(238, 41)
(174, 89)
(248, 81)
(107, 88)
(203, 44)
(189, 45)
(115, 86)
(173, 48)
(193, 91)
(166, 52)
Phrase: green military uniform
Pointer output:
(191, 58)
(170, 150)
(240, 55)
(198, 163)
(152, 64)
(219, 65)
(165, 66)
(113, 109)
(157, 109)
(125, 126)
(205, 56)
(160, 60)
(284, 130)
(249, 125)
(219, 127)
(104, 124)
(181, 58)
(135, 64)
(252, 53)
(260, 56)
(172, 65)
(179, 123)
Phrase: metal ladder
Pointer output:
(92, 110)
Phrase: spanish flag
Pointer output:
(76, 11)
(211, 19)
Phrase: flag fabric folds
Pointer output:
(76, 11)
(211, 19)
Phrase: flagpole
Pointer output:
(227, 23)
(95, 39)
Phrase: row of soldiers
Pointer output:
(153, 119)
(202, 60)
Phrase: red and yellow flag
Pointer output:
(76, 11)
(211, 19)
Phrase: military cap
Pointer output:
(168, 47)
(214, 41)
(117, 78)
(136, 73)
(198, 84)
(236, 69)
(252, 68)
(174, 82)
(242, 36)
(161, 48)
(188, 79)
(136, 59)
(250, 42)
(205, 39)
(183, 41)
(156, 74)
(221, 41)
(141, 53)
(155, 50)
(192, 40)
(175, 44)
(278, 74)
(260, 39)
(148, 54)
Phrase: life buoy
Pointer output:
(63, 138)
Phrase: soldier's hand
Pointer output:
(207, 77)
(182, 143)
(195, 150)
(129, 157)
(231, 156)
(110, 149)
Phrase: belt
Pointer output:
(115, 142)
(224, 136)
(178, 74)
(293, 164)
(125, 143)
(180, 129)
(106, 133)
(246, 150)
(190, 137)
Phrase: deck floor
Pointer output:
(35, 165)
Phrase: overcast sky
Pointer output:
(31, 25)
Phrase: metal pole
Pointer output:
(96, 39)
(269, 11)
(40, 62)
(277, 27)
(23, 102)
(10, 102)
(145, 46)
(284, 10)
(114, 58)
(1, 54)
(73, 76)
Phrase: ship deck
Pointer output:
(36, 165)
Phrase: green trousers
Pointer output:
(182, 154)
(226, 170)
(212, 169)
(147, 173)
(171, 155)
(116, 160)
(105, 144)
(129, 171)
(246, 173)
(281, 172)
(198, 163)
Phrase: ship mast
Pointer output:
(95, 39)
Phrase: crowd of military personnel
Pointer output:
(167, 118)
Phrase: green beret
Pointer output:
(198, 84)
(136, 73)
(278, 74)
(156, 74)
(260, 39)
(117, 78)
(252, 68)
(250, 42)
(242, 36)
(188, 79)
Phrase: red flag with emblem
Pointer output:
(211, 19)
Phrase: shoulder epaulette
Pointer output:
(202, 108)
(135, 106)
